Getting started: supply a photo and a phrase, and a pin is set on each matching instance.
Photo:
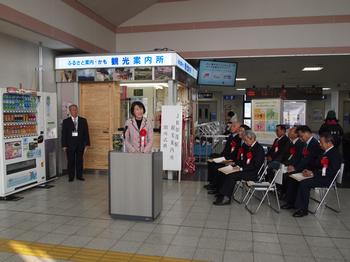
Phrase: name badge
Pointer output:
(74, 133)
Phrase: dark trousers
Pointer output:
(75, 162)
(298, 193)
(229, 181)
(214, 176)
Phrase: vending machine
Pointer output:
(22, 148)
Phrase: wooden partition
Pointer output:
(100, 105)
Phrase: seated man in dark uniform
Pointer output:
(294, 156)
(295, 148)
(310, 151)
(253, 159)
(237, 158)
(298, 193)
(279, 151)
(233, 143)
(280, 147)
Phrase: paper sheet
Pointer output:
(299, 176)
(228, 170)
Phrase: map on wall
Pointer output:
(266, 115)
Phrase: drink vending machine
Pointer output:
(23, 127)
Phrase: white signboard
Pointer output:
(171, 137)
(265, 116)
(127, 60)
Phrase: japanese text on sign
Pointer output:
(171, 137)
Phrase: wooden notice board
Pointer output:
(100, 105)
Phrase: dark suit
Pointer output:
(295, 153)
(310, 155)
(298, 193)
(279, 151)
(249, 169)
(229, 153)
(75, 145)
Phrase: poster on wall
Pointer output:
(123, 74)
(86, 75)
(163, 72)
(66, 76)
(171, 137)
(143, 73)
(104, 74)
(265, 116)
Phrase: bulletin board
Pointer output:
(265, 116)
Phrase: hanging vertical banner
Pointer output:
(171, 137)
(265, 116)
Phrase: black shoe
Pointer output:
(70, 180)
(287, 206)
(222, 201)
(81, 178)
(207, 186)
(301, 213)
(212, 192)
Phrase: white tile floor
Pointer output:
(75, 214)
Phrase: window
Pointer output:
(247, 113)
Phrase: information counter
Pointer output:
(135, 185)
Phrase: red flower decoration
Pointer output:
(292, 151)
(305, 152)
(233, 145)
(240, 153)
(249, 155)
(143, 132)
(325, 162)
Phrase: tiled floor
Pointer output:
(190, 227)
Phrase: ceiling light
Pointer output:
(240, 89)
(326, 88)
(241, 79)
(312, 68)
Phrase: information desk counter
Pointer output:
(135, 185)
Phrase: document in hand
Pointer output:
(228, 169)
(219, 159)
(299, 176)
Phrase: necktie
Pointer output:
(75, 124)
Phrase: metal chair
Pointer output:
(264, 187)
(323, 194)
(261, 177)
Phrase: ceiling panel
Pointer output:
(117, 11)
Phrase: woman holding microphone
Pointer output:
(138, 130)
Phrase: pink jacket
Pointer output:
(132, 136)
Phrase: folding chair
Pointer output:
(265, 187)
(261, 176)
(323, 194)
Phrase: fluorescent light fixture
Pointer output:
(326, 88)
(144, 84)
(312, 68)
(240, 89)
(241, 79)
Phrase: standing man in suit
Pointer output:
(328, 164)
(75, 140)
(252, 162)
